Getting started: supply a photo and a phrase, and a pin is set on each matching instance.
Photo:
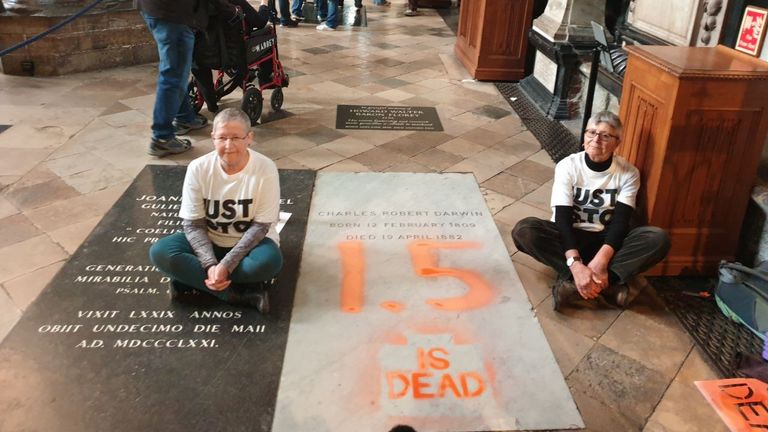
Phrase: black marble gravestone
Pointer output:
(104, 348)
(385, 117)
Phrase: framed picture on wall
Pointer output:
(752, 31)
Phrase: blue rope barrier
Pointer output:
(39, 36)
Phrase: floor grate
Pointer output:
(555, 138)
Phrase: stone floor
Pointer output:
(75, 143)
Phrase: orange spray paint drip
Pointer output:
(353, 279)
(425, 263)
(393, 306)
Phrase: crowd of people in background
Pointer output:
(328, 12)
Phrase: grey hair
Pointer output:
(232, 115)
(608, 118)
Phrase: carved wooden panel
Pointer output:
(695, 121)
(467, 29)
(504, 21)
(492, 38)
(639, 120)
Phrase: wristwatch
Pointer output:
(569, 262)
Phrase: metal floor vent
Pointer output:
(555, 138)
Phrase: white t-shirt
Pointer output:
(230, 202)
(593, 194)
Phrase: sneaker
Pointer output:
(617, 295)
(290, 23)
(177, 289)
(324, 27)
(297, 18)
(384, 3)
(183, 128)
(562, 290)
(163, 147)
(410, 12)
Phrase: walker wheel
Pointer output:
(253, 103)
(195, 97)
(276, 100)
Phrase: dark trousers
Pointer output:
(642, 249)
(174, 256)
(413, 4)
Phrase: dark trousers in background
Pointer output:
(643, 247)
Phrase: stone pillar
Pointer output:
(563, 39)
(109, 35)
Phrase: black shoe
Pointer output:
(177, 289)
(617, 295)
(258, 299)
(289, 23)
(562, 290)
(255, 297)
(172, 146)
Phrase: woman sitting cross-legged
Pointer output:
(590, 241)
(230, 206)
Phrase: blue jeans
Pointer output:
(174, 256)
(285, 11)
(175, 43)
(297, 8)
(328, 10)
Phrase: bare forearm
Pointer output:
(603, 256)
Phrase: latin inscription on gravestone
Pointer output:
(408, 310)
(383, 117)
(104, 348)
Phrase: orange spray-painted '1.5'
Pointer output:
(424, 258)
(353, 276)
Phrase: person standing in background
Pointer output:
(173, 24)
(297, 10)
(328, 11)
(286, 18)
(413, 7)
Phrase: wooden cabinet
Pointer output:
(493, 37)
(695, 120)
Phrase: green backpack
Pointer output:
(742, 295)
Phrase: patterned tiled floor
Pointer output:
(77, 141)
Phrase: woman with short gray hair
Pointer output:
(229, 208)
(588, 241)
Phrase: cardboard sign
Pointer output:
(752, 31)
(742, 403)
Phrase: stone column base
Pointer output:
(98, 40)
(556, 84)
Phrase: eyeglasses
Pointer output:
(233, 139)
(591, 133)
